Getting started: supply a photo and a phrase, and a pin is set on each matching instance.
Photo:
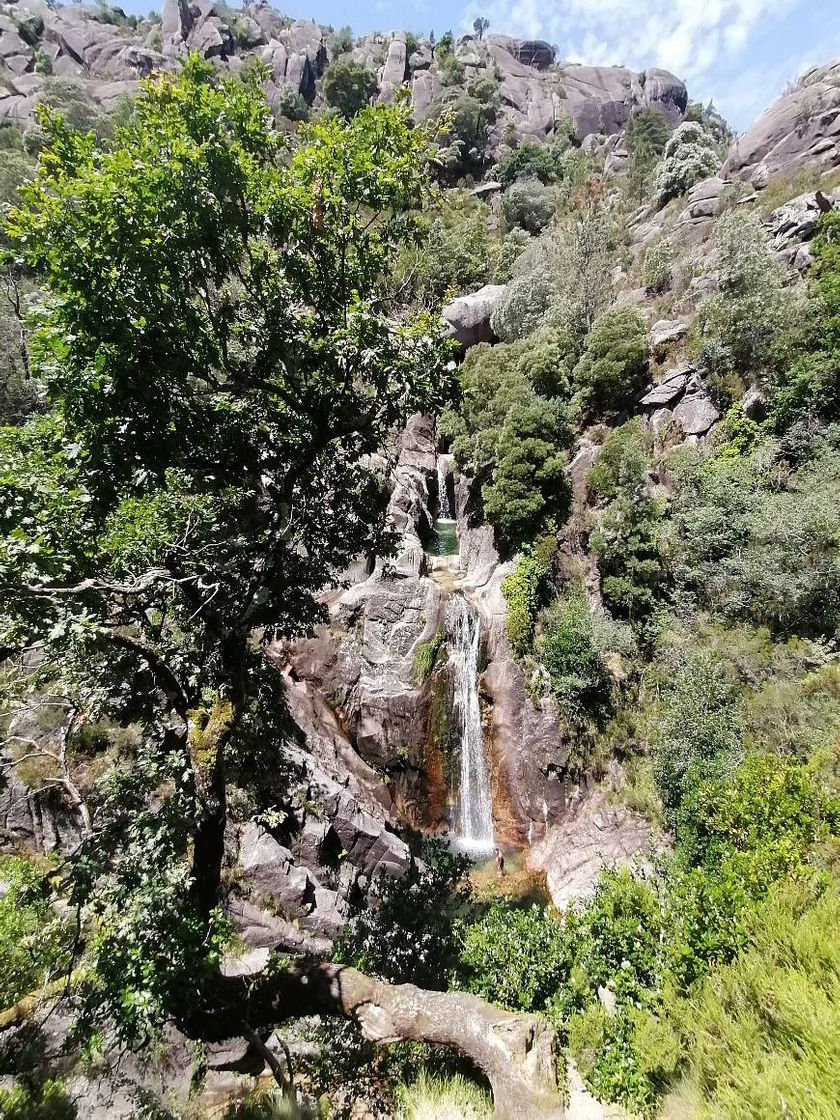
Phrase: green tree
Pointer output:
(532, 160)
(348, 86)
(611, 372)
(689, 155)
(529, 488)
(221, 361)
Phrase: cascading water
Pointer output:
(444, 506)
(474, 819)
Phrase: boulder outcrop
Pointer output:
(801, 129)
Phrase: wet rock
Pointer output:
(469, 316)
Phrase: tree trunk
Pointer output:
(516, 1052)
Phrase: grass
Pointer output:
(453, 1098)
(763, 1034)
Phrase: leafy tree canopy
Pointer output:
(220, 360)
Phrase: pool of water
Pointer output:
(444, 538)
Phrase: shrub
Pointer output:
(529, 488)
(459, 253)
(697, 726)
(752, 310)
(689, 156)
(292, 105)
(49, 1101)
(648, 130)
(758, 548)
(612, 369)
(464, 128)
(657, 268)
(548, 360)
(408, 936)
(622, 461)
(808, 384)
(522, 590)
(33, 941)
(570, 647)
(342, 41)
(348, 86)
(628, 543)
(43, 62)
(766, 1028)
(532, 160)
(515, 957)
(525, 304)
(529, 204)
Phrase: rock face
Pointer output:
(110, 56)
(791, 226)
(594, 831)
(680, 398)
(801, 128)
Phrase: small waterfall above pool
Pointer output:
(444, 464)
(474, 818)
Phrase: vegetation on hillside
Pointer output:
(216, 324)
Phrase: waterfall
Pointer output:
(474, 822)
(444, 507)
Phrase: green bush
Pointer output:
(529, 204)
(808, 385)
(622, 461)
(406, 934)
(348, 86)
(697, 725)
(548, 360)
(529, 489)
(523, 590)
(627, 538)
(570, 647)
(758, 544)
(688, 157)
(612, 370)
(752, 309)
(657, 269)
(49, 1101)
(292, 105)
(532, 160)
(33, 940)
(514, 957)
(762, 1035)
(342, 41)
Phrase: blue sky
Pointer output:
(740, 52)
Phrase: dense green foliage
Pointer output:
(34, 941)
(203, 464)
(349, 86)
(612, 368)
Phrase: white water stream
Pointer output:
(474, 818)
(444, 463)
